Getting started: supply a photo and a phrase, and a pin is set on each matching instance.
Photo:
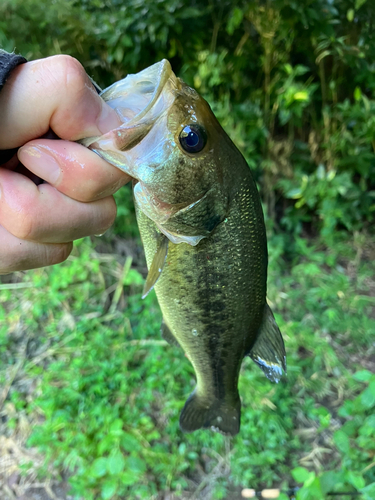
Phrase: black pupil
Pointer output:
(193, 138)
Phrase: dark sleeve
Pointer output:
(7, 63)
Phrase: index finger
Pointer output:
(52, 93)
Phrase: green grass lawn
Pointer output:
(84, 369)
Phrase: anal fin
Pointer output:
(168, 335)
(157, 265)
(268, 351)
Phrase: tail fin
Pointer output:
(219, 416)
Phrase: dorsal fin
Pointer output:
(157, 265)
(268, 351)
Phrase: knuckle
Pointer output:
(87, 195)
(23, 228)
(75, 103)
(109, 214)
(59, 253)
(71, 72)
(64, 74)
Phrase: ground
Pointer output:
(345, 283)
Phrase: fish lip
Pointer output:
(158, 74)
(164, 73)
(140, 100)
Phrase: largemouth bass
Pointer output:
(202, 227)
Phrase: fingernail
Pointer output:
(41, 163)
(108, 119)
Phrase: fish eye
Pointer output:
(193, 138)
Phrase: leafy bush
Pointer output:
(292, 82)
(110, 391)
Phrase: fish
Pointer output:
(201, 223)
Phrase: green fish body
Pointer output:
(202, 227)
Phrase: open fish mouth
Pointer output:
(139, 100)
(140, 96)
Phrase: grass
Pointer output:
(87, 379)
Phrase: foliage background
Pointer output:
(293, 83)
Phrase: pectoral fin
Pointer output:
(268, 351)
(157, 265)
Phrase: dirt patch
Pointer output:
(19, 473)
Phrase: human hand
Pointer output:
(38, 223)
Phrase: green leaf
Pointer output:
(109, 489)
(99, 467)
(294, 193)
(358, 4)
(235, 20)
(116, 427)
(328, 480)
(136, 465)
(321, 172)
(357, 94)
(370, 421)
(368, 398)
(341, 441)
(362, 375)
(311, 269)
(129, 478)
(133, 277)
(311, 490)
(126, 41)
(368, 492)
(302, 95)
(115, 463)
(129, 442)
(118, 54)
(300, 474)
(350, 15)
(355, 479)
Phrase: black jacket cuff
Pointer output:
(7, 63)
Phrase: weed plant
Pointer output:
(110, 391)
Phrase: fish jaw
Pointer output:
(141, 101)
(137, 95)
